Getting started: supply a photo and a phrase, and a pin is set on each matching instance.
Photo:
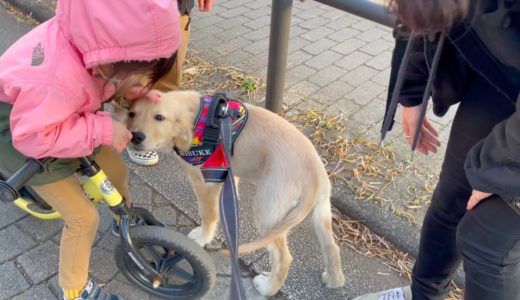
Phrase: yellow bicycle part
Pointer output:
(99, 187)
(28, 206)
(92, 191)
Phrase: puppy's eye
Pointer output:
(160, 117)
(131, 114)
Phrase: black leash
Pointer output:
(427, 91)
(389, 118)
(229, 213)
(219, 125)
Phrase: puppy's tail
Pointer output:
(294, 217)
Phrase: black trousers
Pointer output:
(487, 238)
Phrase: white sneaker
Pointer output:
(145, 159)
(401, 293)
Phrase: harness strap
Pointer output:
(217, 169)
(428, 90)
(217, 109)
(229, 213)
(389, 118)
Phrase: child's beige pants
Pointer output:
(81, 218)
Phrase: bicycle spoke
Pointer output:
(169, 262)
(181, 274)
(156, 257)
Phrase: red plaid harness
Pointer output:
(206, 144)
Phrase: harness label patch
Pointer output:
(193, 153)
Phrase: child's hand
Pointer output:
(428, 137)
(121, 137)
(476, 197)
(137, 92)
(205, 5)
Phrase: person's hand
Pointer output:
(121, 137)
(428, 138)
(206, 5)
(137, 92)
(476, 197)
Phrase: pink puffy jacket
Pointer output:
(47, 74)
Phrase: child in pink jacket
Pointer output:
(53, 82)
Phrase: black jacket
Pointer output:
(488, 44)
(185, 6)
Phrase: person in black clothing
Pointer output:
(474, 215)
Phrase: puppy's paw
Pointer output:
(331, 281)
(263, 285)
(198, 236)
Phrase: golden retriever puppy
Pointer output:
(269, 152)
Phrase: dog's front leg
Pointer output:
(208, 199)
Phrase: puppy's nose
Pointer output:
(137, 137)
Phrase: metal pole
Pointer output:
(281, 11)
(372, 10)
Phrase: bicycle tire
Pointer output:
(145, 215)
(204, 272)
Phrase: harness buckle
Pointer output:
(217, 110)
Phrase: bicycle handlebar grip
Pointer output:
(9, 188)
(7, 193)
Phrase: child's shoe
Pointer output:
(91, 292)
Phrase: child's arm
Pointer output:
(45, 123)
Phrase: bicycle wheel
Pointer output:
(189, 272)
(141, 216)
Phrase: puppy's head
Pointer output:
(159, 126)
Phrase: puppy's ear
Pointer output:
(183, 139)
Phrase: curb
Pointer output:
(399, 232)
(33, 9)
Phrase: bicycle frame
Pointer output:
(97, 187)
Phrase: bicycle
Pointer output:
(158, 260)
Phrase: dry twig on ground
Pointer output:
(362, 240)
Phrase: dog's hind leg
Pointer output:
(333, 276)
(270, 283)
(208, 200)
(271, 206)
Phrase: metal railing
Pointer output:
(281, 12)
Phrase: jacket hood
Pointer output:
(107, 31)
